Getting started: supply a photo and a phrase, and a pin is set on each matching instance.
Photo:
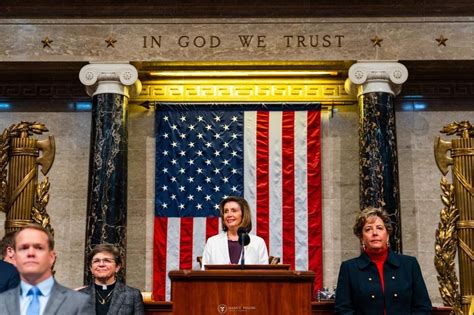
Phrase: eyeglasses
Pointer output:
(106, 261)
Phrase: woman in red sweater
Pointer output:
(380, 281)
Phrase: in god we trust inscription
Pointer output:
(243, 41)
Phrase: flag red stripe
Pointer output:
(186, 243)
(159, 261)
(314, 198)
(263, 211)
(288, 187)
(212, 227)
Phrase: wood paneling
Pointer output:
(232, 8)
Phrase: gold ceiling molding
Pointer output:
(246, 81)
(245, 90)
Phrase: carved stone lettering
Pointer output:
(210, 41)
(312, 41)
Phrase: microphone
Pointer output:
(244, 239)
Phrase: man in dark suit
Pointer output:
(9, 277)
(38, 292)
(6, 247)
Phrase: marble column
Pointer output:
(376, 83)
(110, 86)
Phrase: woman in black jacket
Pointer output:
(109, 295)
(380, 281)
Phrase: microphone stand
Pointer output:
(242, 259)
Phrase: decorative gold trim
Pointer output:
(463, 181)
(245, 90)
(17, 224)
(462, 152)
(24, 151)
(466, 299)
(467, 224)
(469, 252)
(244, 81)
(445, 248)
(241, 73)
(21, 186)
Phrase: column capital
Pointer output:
(376, 76)
(116, 78)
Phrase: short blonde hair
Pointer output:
(364, 216)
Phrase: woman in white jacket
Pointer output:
(224, 248)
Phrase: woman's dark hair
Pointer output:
(107, 248)
(364, 216)
(244, 206)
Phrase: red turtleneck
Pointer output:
(379, 258)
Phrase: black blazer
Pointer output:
(9, 277)
(125, 300)
(359, 290)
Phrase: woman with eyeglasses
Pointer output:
(109, 295)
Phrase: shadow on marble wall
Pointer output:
(141, 157)
(340, 182)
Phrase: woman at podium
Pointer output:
(226, 247)
(380, 281)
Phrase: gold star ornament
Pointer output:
(441, 40)
(110, 42)
(46, 42)
(376, 41)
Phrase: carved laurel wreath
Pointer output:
(445, 249)
(38, 212)
(462, 129)
(4, 147)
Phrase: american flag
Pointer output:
(267, 153)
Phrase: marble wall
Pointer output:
(419, 178)
(258, 39)
(68, 193)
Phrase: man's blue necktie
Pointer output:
(34, 307)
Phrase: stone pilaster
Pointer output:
(376, 84)
(109, 85)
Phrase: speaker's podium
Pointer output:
(255, 290)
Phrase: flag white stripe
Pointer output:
(250, 163)
(172, 251)
(199, 239)
(301, 189)
(275, 184)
